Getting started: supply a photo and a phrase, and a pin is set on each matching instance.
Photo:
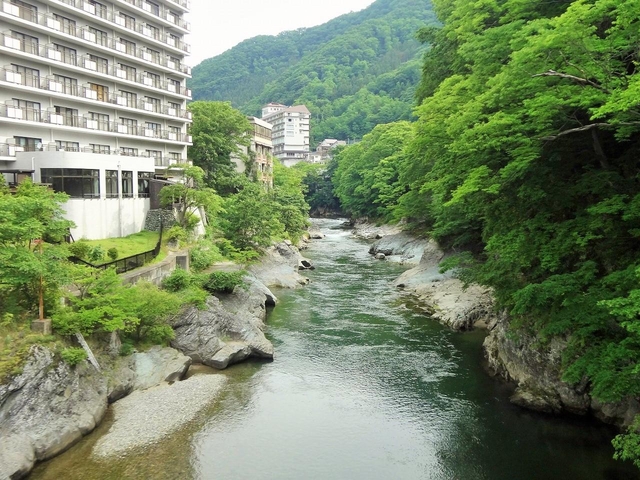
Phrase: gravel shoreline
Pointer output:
(145, 417)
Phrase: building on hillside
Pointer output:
(260, 152)
(290, 132)
(93, 102)
(326, 147)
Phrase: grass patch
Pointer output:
(128, 246)
(16, 340)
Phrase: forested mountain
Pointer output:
(354, 72)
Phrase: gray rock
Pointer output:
(279, 267)
(158, 365)
(121, 379)
(400, 247)
(316, 235)
(46, 409)
(229, 330)
(381, 256)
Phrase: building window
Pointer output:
(144, 179)
(130, 98)
(130, 72)
(101, 37)
(101, 118)
(131, 124)
(66, 24)
(127, 184)
(64, 146)
(75, 182)
(155, 31)
(154, 104)
(155, 79)
(102, 64)
(69, 85)
(69, 55)
(30, 110)
(111, 180)
(26, 10)
(152, 7)
(175, 157)
(28, 144)
(128, 151)
(96, 148)
(28, 43)
(155, 55)
(69, 115)
(28, 76)
(102, 92)
(101, 10)
(129, 46)
(128, 20)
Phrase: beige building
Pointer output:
(260, 153)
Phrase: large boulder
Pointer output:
(279, 267)
(157, 365)
(229, 329)
(400, 247)
(46, 409)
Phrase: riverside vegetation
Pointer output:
(241, 216)
(524, 161)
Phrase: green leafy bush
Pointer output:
(224, 282)
(204, 255)
(176, 234)
(177, 281)
(95, 254)
(80, 249)
(112, 253)
(73, 355)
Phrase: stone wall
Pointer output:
(157, 272)
(156, 217)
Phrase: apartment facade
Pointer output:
(260, 151)
(290, 134)
(93, 102)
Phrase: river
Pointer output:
(362, 387)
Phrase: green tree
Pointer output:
(190, 196)
(218, 132)
(32, 262)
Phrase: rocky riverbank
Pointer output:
(51, 405)
(533, 367)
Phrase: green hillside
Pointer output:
(353, 72)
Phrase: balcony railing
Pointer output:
(49, 21)
(50, 84)
(161, 12)
(88, 123)
(51, 53)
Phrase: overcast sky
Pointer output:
(218, 25)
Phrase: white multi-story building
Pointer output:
(93, 102)
(290, 132)
(259, 152)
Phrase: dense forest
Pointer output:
(525, 159)
(354, 72)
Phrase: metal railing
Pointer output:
(51, 53)
(127, 264)
(83, 32)
(87, 123)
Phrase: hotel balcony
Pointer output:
(49, 24)
(84, 64)
(50, 86)
(51, 119)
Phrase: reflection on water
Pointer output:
(362, 388)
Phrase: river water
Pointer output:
(362, 387)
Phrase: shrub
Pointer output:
(178, 280)
(204, 255)
(73, 355)
(79, 249)
(112, 253)
(95, 254)
(176, 234)
(126, 349)
(224, 282)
